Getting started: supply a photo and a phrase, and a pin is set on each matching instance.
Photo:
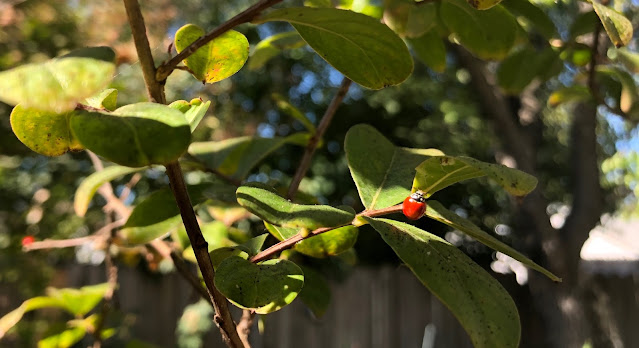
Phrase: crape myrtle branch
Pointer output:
(289, 243)
(245, 16)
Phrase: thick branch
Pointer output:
(156, 93)
(312, 143)
(244, 17)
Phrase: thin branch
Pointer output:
(185, 272)
(127, 188)
(289, 243)
(112, 280)
(244, 327)
(319, 133)
(245, 16)
(155, 89)
(67, 243)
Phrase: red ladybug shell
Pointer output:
(414, 206)
(27, 240)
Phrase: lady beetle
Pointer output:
(414, 205)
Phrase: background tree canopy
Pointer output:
(525, 94)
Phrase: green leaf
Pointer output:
(430, 49)
(64, 339)
(215, 233)
(265, 287)
(284, 106)
(617, 26)
(266, 204)
(254, 245)
(585, 23)
(218, 59)
(10, 319)
(360, 47)
(60, 83)
(629, 59)
(577, 54)
(220, 254)
(193, 112)
(323, 245)
(436, 211)
(534, 15)
(408, 19)
(44, 132)
(542, 65)
(382, 172)
(437, 173)
(154, 217)
(316, 293)
(79, 301)
(135, 135)
(91, 183)
(569, 95)
(480, 303)
(488, 34)
(270, 47)
(107, 99)
(236, 157)
(629, 96)
(483, 4)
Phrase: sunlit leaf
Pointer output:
(488, 34)
(265, 287)
(91, 183)
(284, 106)
(617, 26)
(218, 59)
(64, 339)
(480, 303)
(12, 318)
(629, 59)
(270, 47)
(437, 173)
(430, 49)
(60, 83)
(436, 211)
(135, 135)
(107, 99)
(360, 47)
(568, 95)
(383, 173)
(44, 132)
(408, 19)
(193, 111)
(269, 206)
(79, 301)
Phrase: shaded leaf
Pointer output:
(534, 15)
(488, 34)
(269, 206)
(436, 211)
(480, 303)
(360, 47)
(408, 19)
(437, 173)
(483, 4)
(265, 287)
(220, 254)
(44, 132)
(629, 59)
(218, 59)
(236, 157)
(629, 96)
(135, 135)
(316, 293)
(91, 183)
(617, 26)
(542, 65)
(60, 83)
(323, 245)
(585, 23)
(270, 47)
(430, 49)
(284, 106)
(107, 99)
(382, 172)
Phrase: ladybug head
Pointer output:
(418, 196)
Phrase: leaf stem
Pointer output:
(289, 243)
(245, 16)
(319, 133)
(155, 90)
